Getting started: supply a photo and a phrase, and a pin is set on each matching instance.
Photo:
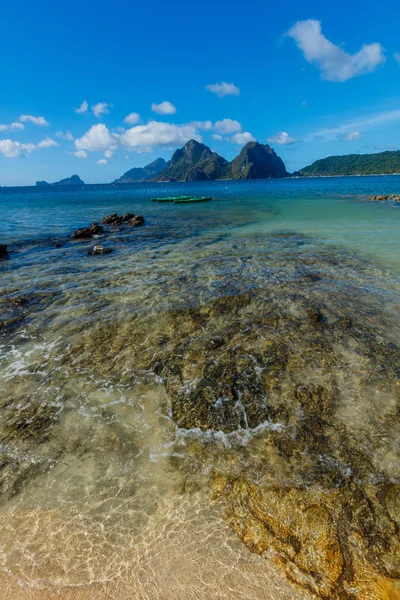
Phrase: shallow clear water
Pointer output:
(107, 480)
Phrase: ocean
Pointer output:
(211, 410)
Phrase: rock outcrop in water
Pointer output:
(73, 180)
(86, 233)
(3, 251)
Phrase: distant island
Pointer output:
(140, 174)
(197, 162)
(381, 163)
(73, 180)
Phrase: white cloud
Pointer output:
(132, 118)
(47, 143)
(41, 121)
(242, 138)
(102, 161)
(366, 123)
(97, 139)
(12, 127)
(144, 137)
(351, 136)
(65, 135)
(227, 126)
(397, 56)
(83, 108)
(108, 153)
(11, 149)
(217, 137)
(202, 125)
(334, 63)
(165, 108)
(79, 154)
(223, 89)
(101, 108)
(282, 138)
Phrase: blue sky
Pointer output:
(309, 78)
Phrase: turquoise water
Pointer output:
(100, 465)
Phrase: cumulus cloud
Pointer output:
(109, 153)
(97, 139)
(11, 149)
(65, 135)
(165, 108)
(132, 118)
(242, 138)
(227, 126)
(223, 89)
(79, 154)
(334, 63)
(351, 136)
(397, 56)
(282, 138)
(83, 108)
(12, 127)
(41, 121)
(155, 133)
(217, 137)
(102, 161)
(47, 143)
(101, 108)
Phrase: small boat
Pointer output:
(171, 198)
(187, 200)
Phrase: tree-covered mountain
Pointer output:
(138, 174)
(194, 162)
(355, 164)
(257, 161)
(73, 180)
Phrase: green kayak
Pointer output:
(172, 199)
(187, 200)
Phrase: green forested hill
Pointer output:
(356, 164)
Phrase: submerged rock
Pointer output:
(99, 250)
(86, 233)
(3, 251)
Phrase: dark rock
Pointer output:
(127, 217)
(86, 233)
(99, 250)
(58, 246)
(3, 251)
(315, 316)
(111, 219)
(137, 221)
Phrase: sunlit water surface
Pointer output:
(103, 495)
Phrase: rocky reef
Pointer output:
(282, 386)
